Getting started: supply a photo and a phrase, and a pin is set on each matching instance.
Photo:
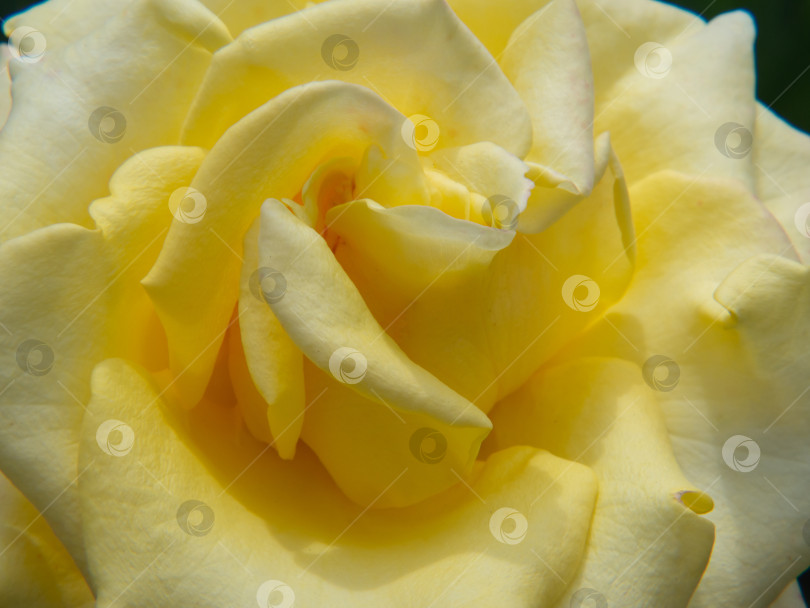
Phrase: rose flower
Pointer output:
(399, 303)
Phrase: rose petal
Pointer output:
(445, 74)
(481, 315)
(599, 412)
(493, 23)
(85, 108)
(269, 153)
(326, 317)
(240, 15)
(275, 365)
(258, 522)
(58, 320)
(5, 86)
(35, 568)
(693, 233)
(781, 156)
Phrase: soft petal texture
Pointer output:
(326, 317)
(493, 23)
(242, 14)
(275, 363)
(693, 233)
(638, 110)
(445, 73)
(269, 153)
(35, 569)
(791, 597)
(79, 317)
(548, 63)
(781, 160)
(54, 164)
(5, 86)
(647, 546)
(327, 550)
(480, 315)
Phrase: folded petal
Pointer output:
(59, 320)
(5, 86)
(269, 153)
(599, 412)
(493, 24)
(458, 86)
(239, 16)
(100, 99)
(732, 393)
(326, 317)
(193, 512)
(652, 61)
(781, 156)
(35, 568)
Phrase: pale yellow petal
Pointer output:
(494, 22)
(326, 317)
(647, 545)
(83, 109)
(240, 15)
(5, 86)
(791, 597)
(35, 569)
(417, 55)
(70, 297)
(269, 153)
(260, 522)
(781, 158)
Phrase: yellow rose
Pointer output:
(396, 303)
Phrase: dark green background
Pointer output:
(782, 56)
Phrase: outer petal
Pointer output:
(728, 386)
(71, 297)
(480, 315)
(258, 522)
(704, 74)
(239, 16)
(270, 153)
(5, 86)
(326, 317)
(99, 100)
(35, 569)
(647, 546)
(781, 158)
(447, 75)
